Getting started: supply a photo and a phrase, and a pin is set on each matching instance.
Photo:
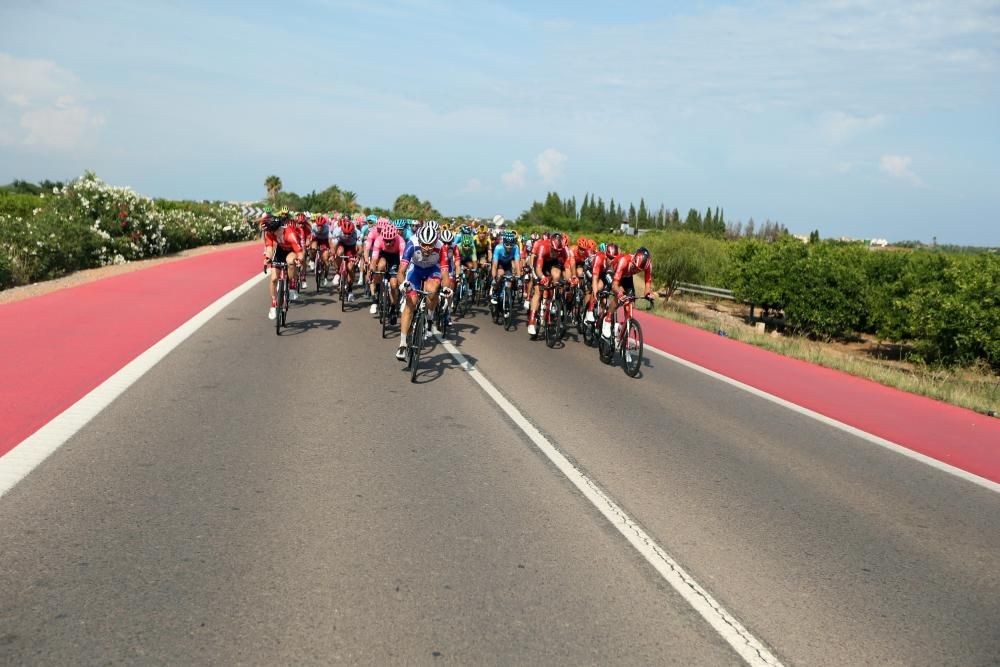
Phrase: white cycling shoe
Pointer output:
(336, 280)
(589, 319)
(532, 330)
(293, 295)
(401, 353)
(273, 313)
(374, 309)
(606, 329)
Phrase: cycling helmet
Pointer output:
(545, 236)
(389, 233)
(427, 235)
(482, 229)
(602, 247)
(509, 239)
(447, 236)
(641, 258)
(272, 224)
(565, 238)
(465, 229)
(534, 236)
(346, 226)
(372, 218)
(358, 217)
(399, 224)
(611, 250)
(433, 224)
(556, 241)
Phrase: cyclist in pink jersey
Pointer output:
(386, 251)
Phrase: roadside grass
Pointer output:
(972, 388)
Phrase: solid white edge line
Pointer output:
(16, 464)
(829, 421)
(725, 624)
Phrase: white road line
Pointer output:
(743, 642)
(30, 452)
(874, 439)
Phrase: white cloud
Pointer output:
(473, 186)
(839, 126)
(549, 163)
(898, 166)
(39, 107)
(515, 178)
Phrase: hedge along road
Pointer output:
(188, 502)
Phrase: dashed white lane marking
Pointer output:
(874, 439)
(30, 452)
(738, 637)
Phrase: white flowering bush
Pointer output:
(89, 223)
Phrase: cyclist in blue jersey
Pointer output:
(506, 259)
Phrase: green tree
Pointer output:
(273, 185)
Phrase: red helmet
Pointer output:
(556, 240)
(611, 250)
(346, 225)
(641, 258)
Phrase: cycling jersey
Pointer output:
(546, 257)
(285, 238)
(422, 266)
(623, 268)
(349, 240)
(466, 253)
(392, 251)
(505, 256)
(483, 245)
(321, 232)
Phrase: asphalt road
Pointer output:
(285, 500)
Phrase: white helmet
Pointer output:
(427, 235)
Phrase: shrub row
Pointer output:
(946, 306)
(89, 223)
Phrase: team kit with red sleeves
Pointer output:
(412, 260)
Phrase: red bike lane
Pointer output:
(60, 346)
(956, 436)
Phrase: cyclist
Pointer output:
(550, 258)
(483, 243)
(422, 263)
(622, 282)
(448, 248)
(345, 236)
(321, 243)
(506, 259)
(281, 244)
(386, 253)
(304, 231)
(465, 256)
(597, 268)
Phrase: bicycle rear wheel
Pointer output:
(632, 348)
(508, 308)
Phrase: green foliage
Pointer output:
(956, 318)
(89, 223)
(410, 206)
(758, 270)
(824, 290)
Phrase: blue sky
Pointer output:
(866, 119)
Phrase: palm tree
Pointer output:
(273, 185)
(350, 200)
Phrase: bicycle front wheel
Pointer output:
(632, 348)
(279, 306)
(416, 343)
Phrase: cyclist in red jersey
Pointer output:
(622, 282)
(551, 257)
(599, 267)
(303, 230)
(281, 244)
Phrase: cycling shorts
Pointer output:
(391, 261)
(416, 275)
(281, 254)
(349, 250)
(548, 266)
